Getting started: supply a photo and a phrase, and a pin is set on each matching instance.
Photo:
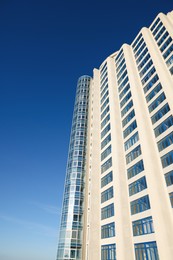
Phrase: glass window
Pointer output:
(151, 83)
(133, 154)
(104, 97)
(120, 65)
(159, 114)
(167, 159)
(108, 230)
(155, 23)
(169, 61)
(157, 28)
(163, 38)
(140, 50)
(122, 77)
(137, 40)
(148, 76)
(123, 84)
(124, 91)
(140, 205)
(131, 141)
(137, 186)
(105, 141)
(126, 108)
(156, 102)
(165, 142)
(103, 78)
(107, 194)
(135, 169)
(146, 251)
(106, 152)
(153, 92)
(138, 45)
(107, 211)
(105, 166)
(140, 66)
(145, 51)
(104, 67)
(106, 179)
(128, 118)
(145, 69)
(166, 54)
(105, 112)
(169, 178)
(143, 226)
(165, 45)
(105, 121)
(121, 70)
(171, 198)
(105, 87)
(105, 130)
(160, 33)
(120, 53)
(163, 126)
(125, 99)
(108, 252)
(129, 129)
(105, 104)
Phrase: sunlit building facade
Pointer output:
(118, 203)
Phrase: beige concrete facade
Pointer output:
(133, 89)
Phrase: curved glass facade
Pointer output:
(70, 237)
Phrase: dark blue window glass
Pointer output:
(105, 166)
(135, 169)
(124, 91)
(151, 83)
(159, 114)
(153, 92)
(143, 226)
(133, 154)
(165, 45)
(108, 230)
(166, 54)
(146, 251)
(105, 141)
(107, 211)
(105, 121)
(140, 205)
(160, 33)
(169, 178)
(106, 179)
(167, 159)
(108, 252)
(156, 102)
(137, 186)
(148, 76)
(129, 129)
(107, 194)
(105, 130)
(128, 118)
(171, 198)
(165, 142)
(126, 108)
(163, 126)
(131, 141)
(125, 99)
(106, 152)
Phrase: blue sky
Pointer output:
(45, 46)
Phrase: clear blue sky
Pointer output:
(44, 47)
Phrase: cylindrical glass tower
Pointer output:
(70, 237)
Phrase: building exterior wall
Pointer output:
(128, 195)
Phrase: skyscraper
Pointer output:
(118, 194)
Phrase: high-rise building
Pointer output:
(118, 194)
